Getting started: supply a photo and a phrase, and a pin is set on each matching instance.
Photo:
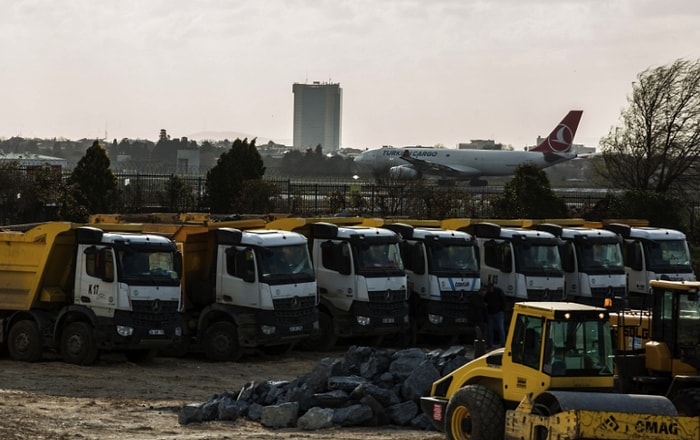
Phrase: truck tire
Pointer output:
(221, 342)
(474, 413)
(24, 342)
(687, 402)
(326, 339)
(78, 344)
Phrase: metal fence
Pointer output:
(319, 197)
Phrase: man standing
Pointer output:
(495, 309)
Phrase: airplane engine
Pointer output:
(404, 172)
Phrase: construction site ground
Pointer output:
(118, 399)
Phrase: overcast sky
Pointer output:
(413, 72)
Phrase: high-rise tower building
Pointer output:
(317, 114)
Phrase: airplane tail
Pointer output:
(562, 137)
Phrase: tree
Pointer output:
(225, 181)
(658, 147)
(93, 183)
(529, 195)
(178, 195)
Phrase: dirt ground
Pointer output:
(117, 399)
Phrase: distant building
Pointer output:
(188, 161)
(31, 160)
(480, 144)
(317, 116)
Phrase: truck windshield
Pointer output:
(578, 348)
(286, 263)
(146, 267)
(379, 256)
(453, 259)
(668, 256)
(533, 258)
(599, 258)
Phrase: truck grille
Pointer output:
(456, 303)
(387, 300)
(154, 311)
(292, 311)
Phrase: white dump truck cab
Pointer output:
(651, 253)
(591, 259)
(524, 263)
(361, 281)
(443, 276)
(262, 293)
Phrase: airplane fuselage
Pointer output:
(451, 163)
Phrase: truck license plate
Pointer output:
(156, 332)
(296, 328)
(388, 320)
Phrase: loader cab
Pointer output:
(675, 328)
(574, 343)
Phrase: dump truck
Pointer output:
(245, 287)
(443, 276)
(591, 259)
(362, 283)
(652, 253)
(79, 290)
(554, 379)
(524, 263)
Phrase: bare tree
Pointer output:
(658, 146)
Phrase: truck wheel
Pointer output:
(474, 413)
(221, 342)
(687, 402)
(326, 339)
(78, 344)
(24, 342)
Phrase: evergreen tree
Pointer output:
(529, 195)
(225, 181)
(95, 186)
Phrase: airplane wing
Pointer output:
(426, 167)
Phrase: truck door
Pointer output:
(334, 273)
(95, 284)
(237, 282)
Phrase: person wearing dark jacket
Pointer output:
(495, 310)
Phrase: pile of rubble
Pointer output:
(368, 387)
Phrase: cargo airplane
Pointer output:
(446, 164)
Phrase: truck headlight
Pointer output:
(435, 319)
(268, 329)
(123, 330)
(363, 320)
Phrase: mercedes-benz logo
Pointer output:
(387, 295)
(296, 303)
(155, 307)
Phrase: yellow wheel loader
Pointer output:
(554, 379)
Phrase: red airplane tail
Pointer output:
(562, 137)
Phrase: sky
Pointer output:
(413, 72)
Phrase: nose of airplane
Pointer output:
(362, 159)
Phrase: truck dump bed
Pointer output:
(36, 265)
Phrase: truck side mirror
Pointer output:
(178, 264)
(417, 260)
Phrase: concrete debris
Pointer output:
(368, 387)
